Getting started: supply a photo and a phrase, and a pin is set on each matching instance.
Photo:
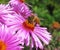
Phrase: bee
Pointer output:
(34, 19)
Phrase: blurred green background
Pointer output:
(49, 13)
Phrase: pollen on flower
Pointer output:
(28, 25)
(2, 45)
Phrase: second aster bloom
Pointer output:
(30, 31)
(20, 8)
(7, 40)
(4, 10)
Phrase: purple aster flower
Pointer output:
(20, 8)
(8, 41)
(30, 32)
(5, 10)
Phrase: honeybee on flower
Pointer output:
(29, 30)
(25, 25)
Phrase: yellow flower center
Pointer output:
(28, 25)
(2, 45)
